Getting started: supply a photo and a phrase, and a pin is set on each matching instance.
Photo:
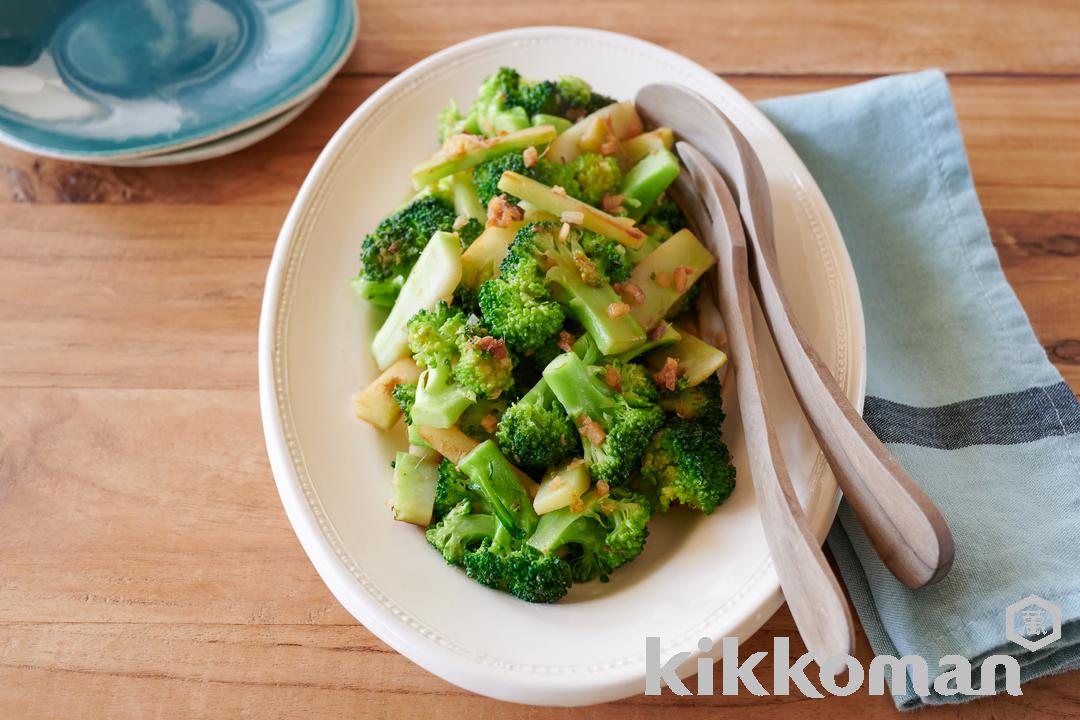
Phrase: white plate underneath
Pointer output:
(698, 577)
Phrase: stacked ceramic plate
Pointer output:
(160, 82)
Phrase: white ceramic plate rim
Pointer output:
(357, 593)
(105, 158)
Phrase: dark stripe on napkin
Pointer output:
(1007, 419)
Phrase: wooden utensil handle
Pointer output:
(813, 594)
(904, 526)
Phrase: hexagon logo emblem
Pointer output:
(1033, 623)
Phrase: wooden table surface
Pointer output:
(147, 569)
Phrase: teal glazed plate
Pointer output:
(122, 79)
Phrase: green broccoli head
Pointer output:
(663, 220)
(535, 432)
(389, 252)
(595, 176)
(506, 101)
(608, 255)
(452, 488)
(459, 531)
(638, 387)
(518, 308)
(688, 462)
(446, 337)
(573, 92)
(497, 104)
(450, 121)
(486, 175)
(434, 335)
(602, 534)
(555, 258)
(615, 433)
(520, 570)
(703, 402)
(404, 395)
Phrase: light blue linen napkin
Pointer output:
(958, 386)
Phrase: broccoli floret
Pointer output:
(486, 175)
(433, 335)
(452, 488)
(469, 232)
(507, 564)
(701, 401)
(598, 101)
(404, 395)
(467, 299)
(537, 97)
(459, 531)
(638, 387)
(517, 307)
(446, 337)
(687, 461)
(450, 121)
(517, 304)
(588, 178)
(616, 432)
(600, 535)
(609, 256)
(666, 215)
(503, 102)
(536, 432)
(389, 252)
(573, 91)
(506, 101)
(595, 176)
(488, 516)
(664, 220)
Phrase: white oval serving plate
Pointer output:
(698, 577)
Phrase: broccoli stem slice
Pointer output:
(669, 336)
(466, 202)
(636, 148)
(481, 261)
(698, 360)
(563, 526)
(441, 164)
(378, 292)
(414, 489)
(668, 272)
(511, 120)
(546, 199)
(579, 391)
(494, 477)
(590, 306)
(560, 124)
(620, 119)
(647, 179)
(439, 400)
(434, 276)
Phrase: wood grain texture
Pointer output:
(147, 569)
(766, 36)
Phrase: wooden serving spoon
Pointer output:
(903, 524)
(812, 592)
